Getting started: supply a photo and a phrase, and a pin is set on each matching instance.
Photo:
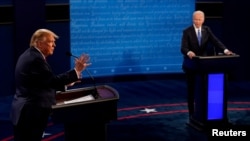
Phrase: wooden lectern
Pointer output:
(211, 90)
(86, 118)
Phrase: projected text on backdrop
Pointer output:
(130, 36)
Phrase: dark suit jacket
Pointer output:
(190, 43)
(35, 82)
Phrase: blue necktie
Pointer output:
(199, 36)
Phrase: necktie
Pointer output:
(199, 36)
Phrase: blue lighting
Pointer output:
(126, 37)
(215, 96)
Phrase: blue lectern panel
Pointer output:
(130, 36)
(215, 96)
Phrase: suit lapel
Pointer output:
(195, 36)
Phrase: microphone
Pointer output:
(95, 92)
(209, 31)
(70, 54)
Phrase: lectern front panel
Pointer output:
(215, 96)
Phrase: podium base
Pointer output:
(200, 126)
(196, 124)
(86, 132)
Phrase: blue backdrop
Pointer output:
(130, 37)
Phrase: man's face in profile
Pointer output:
(47, 46)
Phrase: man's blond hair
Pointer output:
(41, 35)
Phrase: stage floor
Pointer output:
(152, 110)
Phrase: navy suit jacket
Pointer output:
(35, 82)
(190, 43)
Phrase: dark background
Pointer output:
(228, 19)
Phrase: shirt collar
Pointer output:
(196, 29)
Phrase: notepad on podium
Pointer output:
(80, 99)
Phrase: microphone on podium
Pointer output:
(70, 54)
(95, 92)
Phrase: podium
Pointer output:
(85, 119)
(210, 108)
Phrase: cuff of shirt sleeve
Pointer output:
(79, 74)
(226, 50)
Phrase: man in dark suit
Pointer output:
(195, 41)
(36, 86)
